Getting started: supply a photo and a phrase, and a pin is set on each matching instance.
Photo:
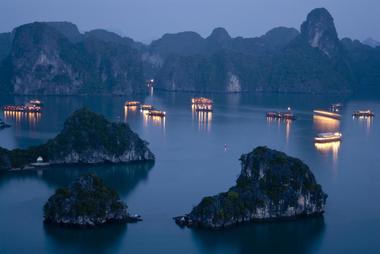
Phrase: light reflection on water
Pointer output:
(288, 126)
(202, 118)
(326, 124)
(32, 118)
(365, 121)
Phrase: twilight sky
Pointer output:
(145, 20)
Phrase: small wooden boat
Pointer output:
(328, 137)
(363, 113)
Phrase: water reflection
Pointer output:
(203, 119)
(326, 124)
(287, 122)
(124, 177)
(365, 121)
(32, 118)
(98, 240)
(330, 147)
(154, 120)
(297, 237)
(129, 112)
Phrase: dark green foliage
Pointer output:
(87, 196)
(84, 132)
(269, 180)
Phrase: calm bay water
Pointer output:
(191, 163)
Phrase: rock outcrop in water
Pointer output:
(86, 202)
(271, 186)
(86, 138)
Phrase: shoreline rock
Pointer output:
(272, 186)
(87, 202)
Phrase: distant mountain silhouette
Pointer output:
(55, 58)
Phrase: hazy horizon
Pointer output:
(146, 20)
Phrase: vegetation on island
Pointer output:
(87, 137)
(86, 202)
(271, 186)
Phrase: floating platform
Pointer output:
(363, 113)
(328, 137)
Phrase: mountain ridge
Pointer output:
(55, 58)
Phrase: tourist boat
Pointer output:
(28, 108)
(36, 103)
(201, 101)
(325, 113)
(281, 115)
(203, 108)
(146, 107)
(132, 104)
(336, 107)
(158, 113)
(328, 137)
(363, 113)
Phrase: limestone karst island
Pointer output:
(211, 127)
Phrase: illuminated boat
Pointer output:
(158, 113)
(203, 108)
(28, 108)
(146, 107)
(363, 113)
(132, 103)
(281, 115)
(336, 107)
(201, 101)
(36, 103)
(325, 113)
(328, 137)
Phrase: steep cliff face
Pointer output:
(282, 60)
(319, 31)
(86, 138)
(87, 202)
(54, 58)
(271, 186)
